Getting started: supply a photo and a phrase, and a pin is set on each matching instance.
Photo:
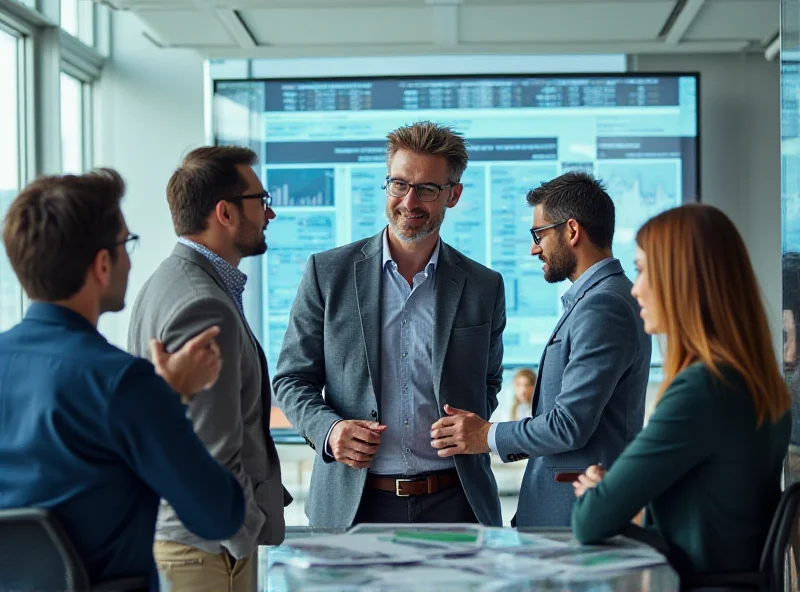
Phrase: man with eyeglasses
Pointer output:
(590, 393)
(88, 431)
(220, 211)
(396, 328)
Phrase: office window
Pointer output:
(77, 19)
(69, 16)
(72, 125)
(10, 104)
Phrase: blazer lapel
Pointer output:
(369, 284)
(450, 280)
(612, 268)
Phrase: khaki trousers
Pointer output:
(186, 569)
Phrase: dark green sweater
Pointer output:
(709, 479)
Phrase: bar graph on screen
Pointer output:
(301, 187)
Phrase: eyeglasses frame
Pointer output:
(537, 239)
(264, 196)
(440, 188)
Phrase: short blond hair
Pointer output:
(427, 137)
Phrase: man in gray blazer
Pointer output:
(383, 333)
(590, 394)
(220, 212)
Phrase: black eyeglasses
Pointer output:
(535, 231)
(264, 196)
(130, 242)
(425, 191)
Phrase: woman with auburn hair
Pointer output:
(707, 467)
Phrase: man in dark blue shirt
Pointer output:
(86, 430)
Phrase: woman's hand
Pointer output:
(588, 480)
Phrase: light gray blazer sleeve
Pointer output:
(604, 344)
(216, 413)
(300, 375)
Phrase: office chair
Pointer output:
(782, 537)
(37, 555)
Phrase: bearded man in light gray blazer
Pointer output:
(220, 211)
(385, 333)
(590, 393)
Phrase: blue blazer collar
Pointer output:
(611, 268)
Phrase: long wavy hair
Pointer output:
(709, 304)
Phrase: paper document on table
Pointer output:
(435, 535)
(594, 561)
(371, 549)
(342, 551)
(511, 541)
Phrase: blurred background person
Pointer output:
(524, 384)
(708, 465)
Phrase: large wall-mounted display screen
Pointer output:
(322, 149)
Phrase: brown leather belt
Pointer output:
(414, 485)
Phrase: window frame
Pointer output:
(22, 34)
(84, 159)
(44, 51)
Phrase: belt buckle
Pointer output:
(397, 483)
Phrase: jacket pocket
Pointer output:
(269, 498)
(470, 331)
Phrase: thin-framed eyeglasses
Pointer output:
(264, 196)
(131, 242)
(536, 230)
(425, 191)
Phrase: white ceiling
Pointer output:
(327, 28)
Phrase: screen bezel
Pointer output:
(496, 76)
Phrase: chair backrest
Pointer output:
(36, 554)
(785, 522)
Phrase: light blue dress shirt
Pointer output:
(232, 278)
(408, 403)
(567, 300)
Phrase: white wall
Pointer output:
(149, 113)
(740, 153)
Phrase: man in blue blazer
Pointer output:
(87, 431)
(590, 393)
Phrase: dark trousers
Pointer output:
(447, 505)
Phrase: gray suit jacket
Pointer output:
(589, 397)
(333, 343)
(183, 297)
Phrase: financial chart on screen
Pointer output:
(322, 156)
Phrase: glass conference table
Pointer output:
(656, 578)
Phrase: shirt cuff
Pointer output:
(327, 450)
(491, 438)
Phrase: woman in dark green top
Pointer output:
(707, 466)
